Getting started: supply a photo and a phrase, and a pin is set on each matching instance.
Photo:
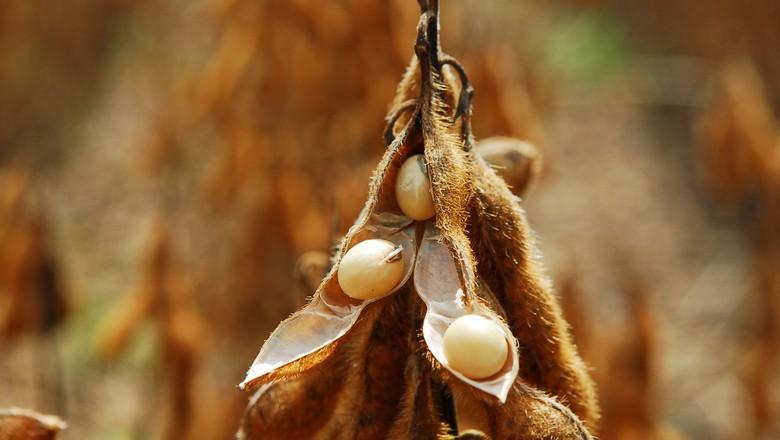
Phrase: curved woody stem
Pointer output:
(426, 46)
(428, 51)
(432, 59)
(464, 100)
(392, 119)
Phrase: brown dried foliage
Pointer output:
(625, 362)
(293, 94)
(347, 385)
(164, 296)
(50, 59)
(740, 150)
(737, 132)
(32, 296)
(764, 350)
(764, 356)
(628, 394)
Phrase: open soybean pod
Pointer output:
(308, 336)
(480, 220)
(509, 262)
(473, 260)
(436, 282)
(446, 276)
(354, 392)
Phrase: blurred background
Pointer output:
(173, 173)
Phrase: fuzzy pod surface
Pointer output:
(333, 369)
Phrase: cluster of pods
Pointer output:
(396, 244)
(432, 296)
(473, 345)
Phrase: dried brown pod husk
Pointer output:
(576, 314)
(142, 302)
(25, 424)
(509, 263)
(32, 292)
(507, 257)
(629, 381)
(241, 157)
(227, 66)
(164, 296)
(739, 135)
(518, 162)
(764, 353)
(736, 132)
(310, 268)
(324, 401)
(624, 361)
(437, 284)
(335, 336)
(331, 313)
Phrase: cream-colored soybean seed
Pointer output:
(413, 189)
(475, 346)
(370, 269)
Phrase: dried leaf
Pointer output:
(736, 132)
(166, 297)
(629, 383)
(32, 292)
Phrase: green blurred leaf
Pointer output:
(589, 46)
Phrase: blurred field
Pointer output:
(163, 166)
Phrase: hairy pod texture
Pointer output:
(345, 368)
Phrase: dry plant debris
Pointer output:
(165, 296)
(24, 424)
(333, 369)
(739, 146)
(316, 78)
(625, 360)
(518, 162)
(32, 294)
(737, 132)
